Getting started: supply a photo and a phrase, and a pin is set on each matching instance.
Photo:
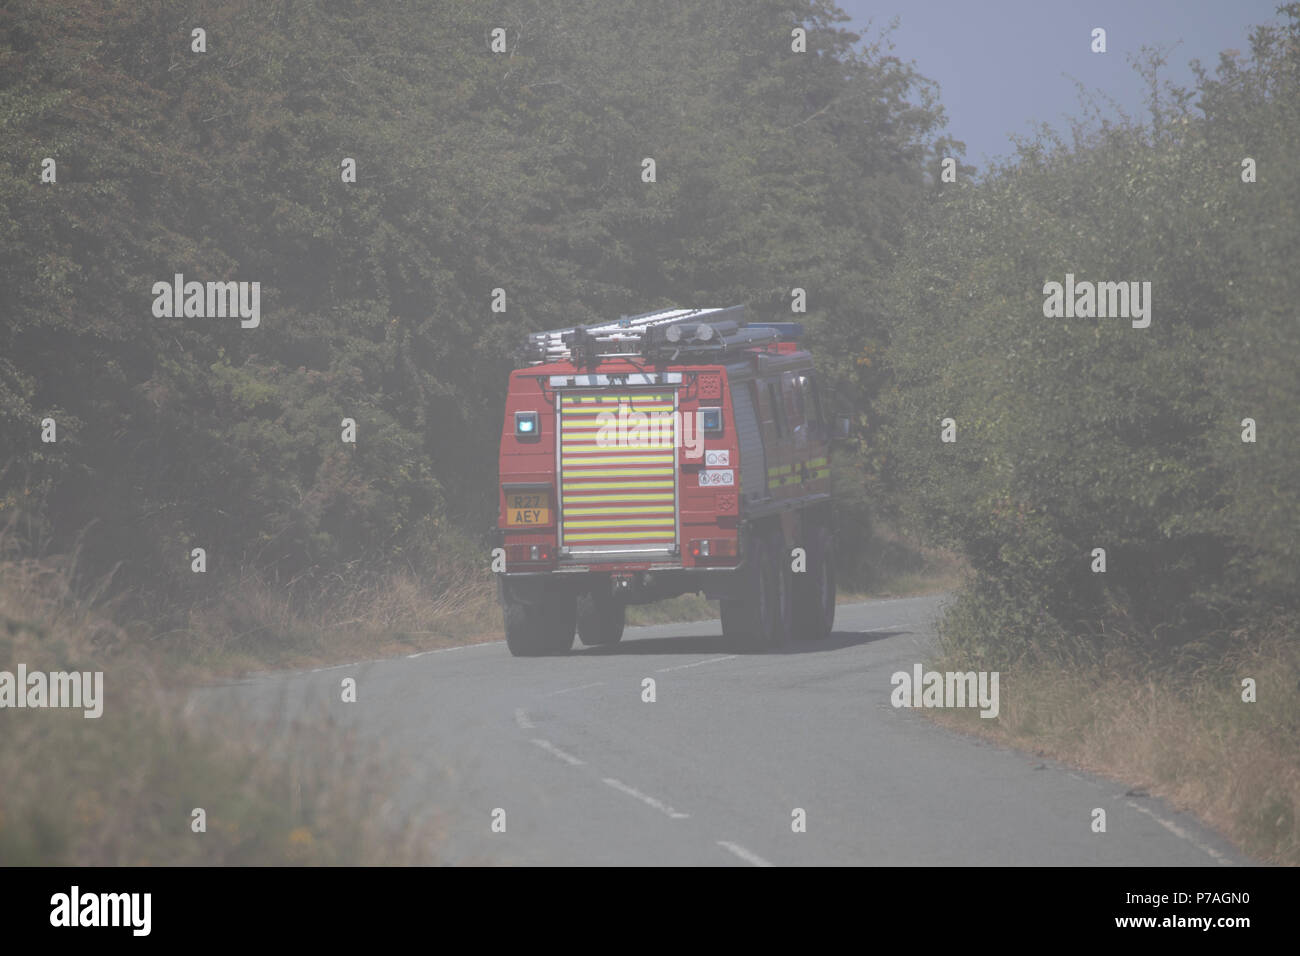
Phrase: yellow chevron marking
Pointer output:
(635, 496)
(604, 523)
(618, 473)
(579, 486)
(616, 536)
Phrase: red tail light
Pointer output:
(524, 553)
(713, 548)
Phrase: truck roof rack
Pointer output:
(662, 334)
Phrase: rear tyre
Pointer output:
(752, 619)
(814, 591)
(538, 622)
(560, 618)
(601, 619)
(783, 625)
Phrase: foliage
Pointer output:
(1078, 433)
(476, 170)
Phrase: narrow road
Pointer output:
(712, 771)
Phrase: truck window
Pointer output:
(778, 412)
(796, 414)
(813, 401)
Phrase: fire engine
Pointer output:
(683, 450)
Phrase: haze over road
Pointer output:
(709, 774)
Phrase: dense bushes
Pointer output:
(1083, 433)
(475, 170)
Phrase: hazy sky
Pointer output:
(1005, 64)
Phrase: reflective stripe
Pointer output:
(604, 523)
(580, 499)
(612, 486)
(649, 455)
(620, 473)
(615, 536)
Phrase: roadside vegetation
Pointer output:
(121, 789)
(1174, 448)
(522, 171)
(474, 171)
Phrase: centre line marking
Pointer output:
(570, 690)
(647, 800)
(550, 748)
(753, 859)
(711, 660)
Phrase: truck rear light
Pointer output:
(521, 553)
(713, 548)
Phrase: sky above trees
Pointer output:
(1005, 66)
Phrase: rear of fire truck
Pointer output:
(624, 449)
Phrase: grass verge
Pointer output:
(121, 789)
(1185, 736)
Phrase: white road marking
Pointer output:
(887, 627)
(256, 676)
(1178, 831)
(753, 859)
(647, 800)
(522, 719)
(445, 650)
(711, 660)
(550, 748)
(570, 690)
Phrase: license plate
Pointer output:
(527, 508)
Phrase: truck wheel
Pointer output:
(752, 620)
(600, 619)
(814, 592)
(560, 618)
(544, 625)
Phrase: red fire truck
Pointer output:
(683, 450)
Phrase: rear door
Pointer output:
(617, 468)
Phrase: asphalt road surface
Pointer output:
(712, 771)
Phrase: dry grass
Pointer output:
(259, 626)
(119, 790)
(1188, 738)
(678, 610)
